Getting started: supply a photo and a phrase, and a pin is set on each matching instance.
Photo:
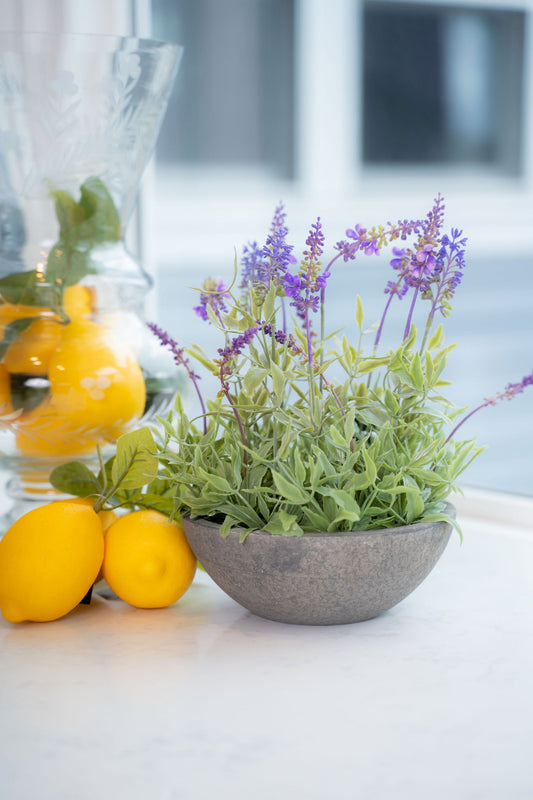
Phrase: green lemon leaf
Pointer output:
(12, 333)
(75, 478)
(102, 220)
(135, 462)
(22, 288)
(69, 213)
(66, 265)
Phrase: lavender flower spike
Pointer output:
(252, 264)
(510, 391)
(306, 288)
(277, 254)
(181, 360)
(214, 294)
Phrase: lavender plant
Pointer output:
(284, 446)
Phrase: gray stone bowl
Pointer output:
(319, 578)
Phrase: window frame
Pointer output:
(330, 179)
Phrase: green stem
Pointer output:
(429, 323)
(310, 371)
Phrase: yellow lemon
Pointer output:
(45, 431)
(31, 352)
(106, 515)
(10, 312)
(5, 391)
(77, 302)
(147, 560)
(49, 559)
(95, 380)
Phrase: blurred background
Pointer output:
(357, 111)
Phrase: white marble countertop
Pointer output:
(432, 701)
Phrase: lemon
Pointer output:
(95, 380)
(77, 302)
(31, 352)
(5, 391)
(10, 312)
(106, 515)
(45, 431)
(147, 560)
(49, 559)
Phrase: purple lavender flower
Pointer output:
(306, 288)
(370, 248)
(233, 349)
(510, 391)
(371, 241)
(252, 264)
(415, 266)
(349, 247)
(181, 360)
(276, 254)
(214, 295)
(447, 274)
(291, 284)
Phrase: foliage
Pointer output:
(83, 224)
(284, 448)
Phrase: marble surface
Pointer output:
(432, 700)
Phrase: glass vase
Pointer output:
(79, 117)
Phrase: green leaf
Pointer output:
(369, 364)
(22, 288)
(75, 478)
(317, 520)
(12, 333)
(253, 378)
(415, 505)
(416, 373)
(217, 482)
(135, 462)
(347, 507)
(67, 266)
(359, 312)
(278, 381)
(227, 525)
(436, 339)
(284, 524)
(269, 304)
(102, 220)
(389, 398)
(337, 438)
(300, 472)
(93, 221)
(69, 213)
(197, 353)
(288, 490)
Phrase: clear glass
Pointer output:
(79, 117)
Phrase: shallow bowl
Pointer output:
(319, 578)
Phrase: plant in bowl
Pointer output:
(311, 498)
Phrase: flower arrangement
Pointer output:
(284, 447)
